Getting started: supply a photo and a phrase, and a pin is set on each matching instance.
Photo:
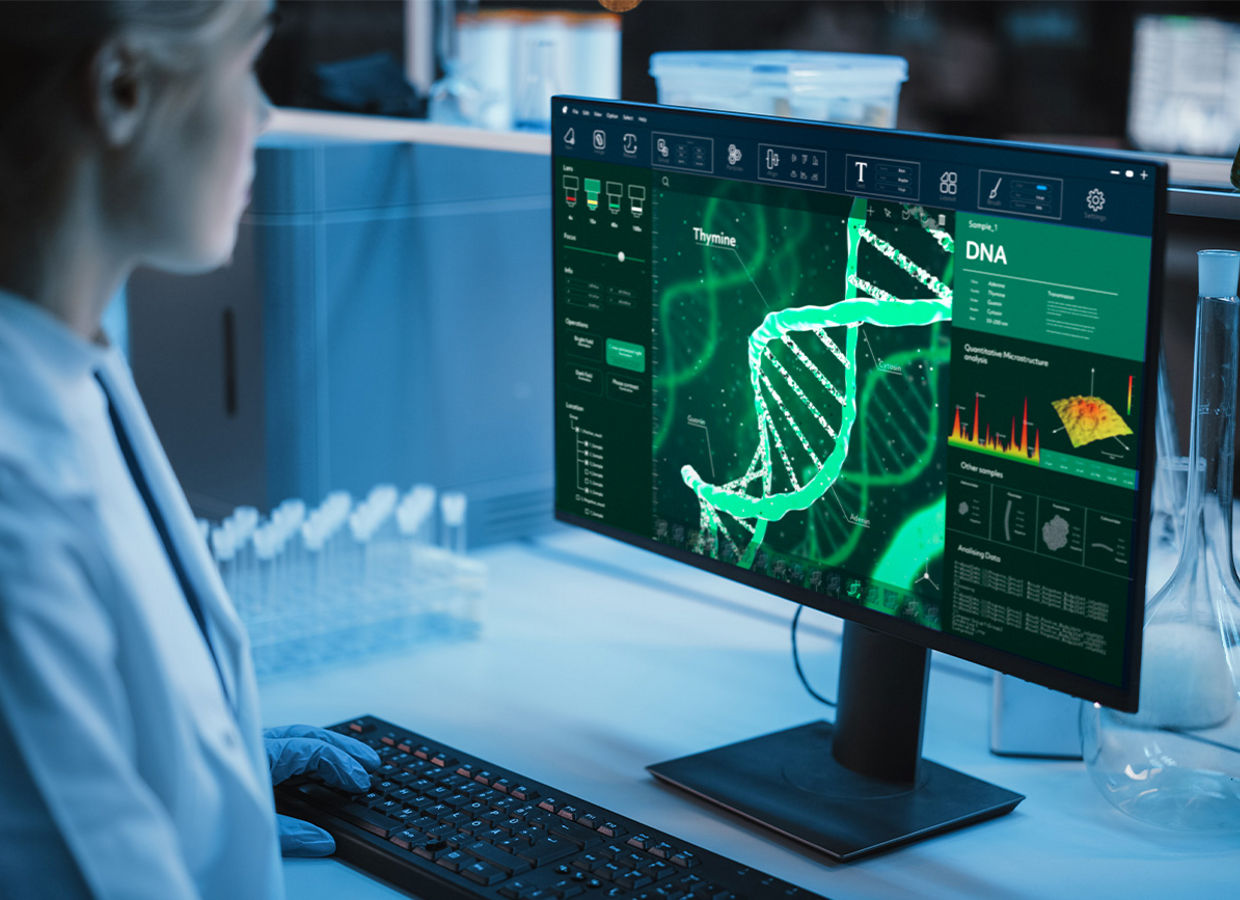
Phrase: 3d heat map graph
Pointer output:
(1088, 419)
(1015, 445)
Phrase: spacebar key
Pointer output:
(362, 816)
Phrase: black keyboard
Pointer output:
(439, 822)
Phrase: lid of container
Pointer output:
(1217, 272)
(794, 65)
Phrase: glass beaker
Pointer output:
(454, 99)
(1176, 761)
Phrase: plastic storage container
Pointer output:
(855, 88)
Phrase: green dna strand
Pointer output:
(782, 376)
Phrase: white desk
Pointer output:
(597, 659)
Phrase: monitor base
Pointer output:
(789, 781)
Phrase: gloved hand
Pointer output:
(340, 761)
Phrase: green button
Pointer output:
(624, 355)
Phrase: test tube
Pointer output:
(224, 550)
(452, 510)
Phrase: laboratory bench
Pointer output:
(596, 659)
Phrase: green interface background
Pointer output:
(792, 251)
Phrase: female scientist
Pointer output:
(131, 761)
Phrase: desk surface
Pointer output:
(596, 659)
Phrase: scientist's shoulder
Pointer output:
(49, 401)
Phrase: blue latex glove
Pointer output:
(338, 760)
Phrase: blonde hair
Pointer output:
(45, 50)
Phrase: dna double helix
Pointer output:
(803, 375)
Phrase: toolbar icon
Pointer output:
(570, 137)
(571, 183)
(593, 187)
(637, 199)
(661, 146)
(1095, 200)
(948, 183)
(772, 160)
(600, 139)
(615, 190)
(734, 154)
(630, 144)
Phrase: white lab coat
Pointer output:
(125, 770)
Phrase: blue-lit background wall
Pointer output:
(386, 318)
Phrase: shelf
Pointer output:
(1199, 185)
(305, 123)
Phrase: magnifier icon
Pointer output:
(666, 183)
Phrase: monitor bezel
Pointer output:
(1123, 697)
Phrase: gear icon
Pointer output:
(1095, 200)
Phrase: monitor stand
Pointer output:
(858, 786)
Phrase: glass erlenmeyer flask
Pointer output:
(1176, 761)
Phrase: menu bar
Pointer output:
(961, 174)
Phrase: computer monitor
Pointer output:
(1180, 99)
(903, 379)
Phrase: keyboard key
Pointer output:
(501, 784)
(659, 870)
(458, 819)
(483, 873)
(568, 831)
(496, 857)
(523, 792)
(452, 860)
(662, 850)
(506, 804)
(610, 829)
(408, 837)
(432, 850)
(609, 871)
(547, 850)
(567, 812)
(484, 776)
(514, 889)
(526, 836)
(365, 817)
(633, 879)
(565, 889)
(640, 841)
(443, 760)
(685, 859)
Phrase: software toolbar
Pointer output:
(1101, 196)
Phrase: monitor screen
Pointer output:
(1182, 97)
(900, 378)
